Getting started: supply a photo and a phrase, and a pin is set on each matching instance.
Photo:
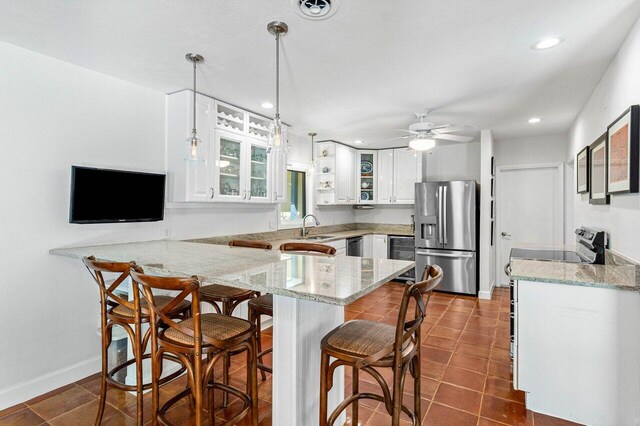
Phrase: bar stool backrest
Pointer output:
(251, 244)
(308, 247)
(409, 329)
(108, 296)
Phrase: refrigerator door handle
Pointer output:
(444, 215)
(440, 215)
(435, 254)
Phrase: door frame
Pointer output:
(560, 231)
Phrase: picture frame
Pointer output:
(622, 152)
(582, 171)
(492, 232)
(493, 167)
(493, 187)
(598, 164)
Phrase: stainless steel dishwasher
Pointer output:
(402, 248)
(354, 246)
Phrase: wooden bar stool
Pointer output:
(213, 335)
(127, 314)
(225, 299)
(263, 305)
(367, 345)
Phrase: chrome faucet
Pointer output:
(304, 227)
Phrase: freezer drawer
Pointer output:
(459, 269)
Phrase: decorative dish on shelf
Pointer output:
(364, 196)
(366, 167)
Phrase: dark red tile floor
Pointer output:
(466, 374)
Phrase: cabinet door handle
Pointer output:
(212, 192)
(275, 195)
(244, 194)
(249, 194)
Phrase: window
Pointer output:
(295, 207)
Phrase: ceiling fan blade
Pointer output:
(455, 138)
(407, 131)
(456, 129)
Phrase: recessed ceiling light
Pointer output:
(266, 105)
(358, 141)
(547, 43)
(535, 120)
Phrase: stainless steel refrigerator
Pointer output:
(447, 233)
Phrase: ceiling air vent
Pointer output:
(315, 9)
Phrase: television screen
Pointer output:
(110, 196)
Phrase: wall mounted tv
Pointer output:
(112, 196)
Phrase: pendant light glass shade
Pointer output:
(277, 136)
(193, 144)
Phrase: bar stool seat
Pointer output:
(362, 338)
(216, 326)
(262, 304)
(125, 311)
(225, 293)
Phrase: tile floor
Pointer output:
(466, 374)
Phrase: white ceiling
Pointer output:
(358, 75)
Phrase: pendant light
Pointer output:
(277, 132)
(313, 159)
(193, 151)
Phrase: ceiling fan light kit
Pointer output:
(425, 134)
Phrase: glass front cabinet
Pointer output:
(235, 167)
(367, 164)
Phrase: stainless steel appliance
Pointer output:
(402, 248)
(354, 246)
(590, 248)
(447, 232)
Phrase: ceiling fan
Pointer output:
(423, 134)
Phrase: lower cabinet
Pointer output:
(379, 246)
(367, 246)
(340, 246)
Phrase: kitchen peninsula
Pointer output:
(310, 293)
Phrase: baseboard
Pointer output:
(487, 294)
(40, 385)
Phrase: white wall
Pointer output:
(487, 251)
(55, 114)
(618, 89)
(454, 162)
(531, 150)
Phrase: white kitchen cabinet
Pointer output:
(340, 246)
(379, 246)
(367, 246)
(190, 181)
(345, 175)
(385, 176)
(236, 166)
(398, 171)
(366, 171)
(407, 170)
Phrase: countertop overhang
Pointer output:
(337, 280)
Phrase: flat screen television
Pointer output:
(112, 196)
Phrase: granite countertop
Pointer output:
(333, 233)
(618, 277)
(337, 280)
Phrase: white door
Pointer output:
(530, 209)
(406, 172)
(385, 176)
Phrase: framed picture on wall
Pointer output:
(582, 171)
(493, 187)
(492, 232)
(622, 150)
(493, 167)
(598, 174)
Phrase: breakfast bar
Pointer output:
(310, 293)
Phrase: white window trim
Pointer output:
(308, 170)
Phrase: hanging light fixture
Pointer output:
(422, 143)
(193, 150)
(277, 132)
(313, 160)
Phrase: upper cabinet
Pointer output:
(345, 175)
(366, 172)
(236, 167)
(398, 171)
(348, 176)
(407, 170)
